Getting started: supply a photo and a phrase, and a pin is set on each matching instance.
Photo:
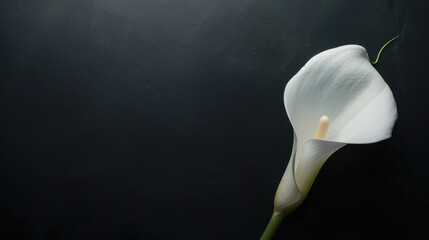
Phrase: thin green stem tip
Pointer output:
(379, 53)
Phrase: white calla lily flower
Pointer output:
(337, 98)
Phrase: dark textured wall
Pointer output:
(162, 119)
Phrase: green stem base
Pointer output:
(272, 226)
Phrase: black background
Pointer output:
(164, 119)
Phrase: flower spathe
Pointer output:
(341, 85)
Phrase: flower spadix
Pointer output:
(337, 98)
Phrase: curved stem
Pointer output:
(272, 226)
(379, 52)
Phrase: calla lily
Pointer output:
(337, 98)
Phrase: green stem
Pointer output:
(272, 226)
(379, 52)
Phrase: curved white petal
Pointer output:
(288, 196)
(314, 154)
(295, 185)
(342, 84)
(373, 123)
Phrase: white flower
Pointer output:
(337, 98)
